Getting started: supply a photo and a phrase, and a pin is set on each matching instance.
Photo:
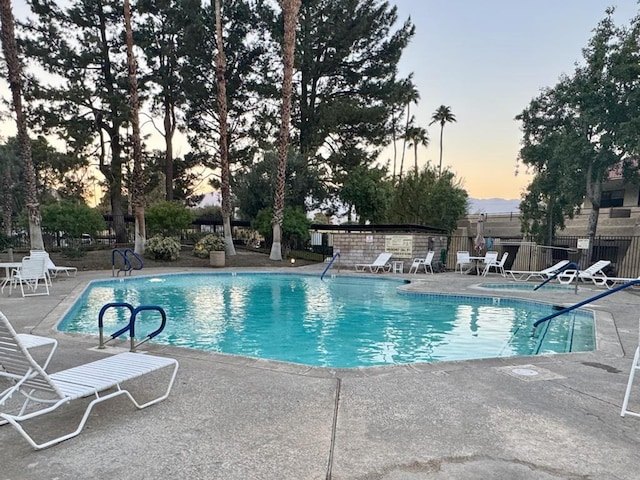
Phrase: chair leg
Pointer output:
(627, 393)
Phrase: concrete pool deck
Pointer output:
(238, 418)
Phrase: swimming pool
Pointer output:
(341, 322)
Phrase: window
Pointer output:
(612, 198)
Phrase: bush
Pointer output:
(160, 247)
(168, 218)
(295, 226)
(72, 219)
(209, 243)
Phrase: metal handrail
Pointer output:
(584, 302)
(336, 255)
(127, 266)
(130, 326)
(152, 334)
(101, 322)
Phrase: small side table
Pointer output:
(397, 266)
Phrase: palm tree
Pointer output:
(290, 9)
(221, 69)
(442, 115)
(138, 198)
(417, 136)
(10, 50)
(412, 96)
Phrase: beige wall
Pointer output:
(365, 247)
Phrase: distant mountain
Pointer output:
(492, 205)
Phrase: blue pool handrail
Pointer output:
(127, 265)
(584, 302)
(336, 255)
(103, 310)
(135, 313)
(568, 266)
(130, 326)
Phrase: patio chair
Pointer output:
(425, 262)
(40, 393)
(52, 269)
(31, 271)
(593, 273)
(524, 275)
(499, 266)
(462, 260)
(380, 263)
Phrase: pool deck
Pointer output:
(236, 418)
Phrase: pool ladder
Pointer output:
(127, 266)
(130, 327)
(333, 259)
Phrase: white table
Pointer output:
(8, 267)
(476, 263)
(397, 266)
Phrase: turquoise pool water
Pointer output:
(341, 322)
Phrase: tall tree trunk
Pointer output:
(112, 172)
(221, 69)
(550, 227)
(10, 50)
(395, 147)
(6, 202)
(137, 180)
(415, 156)
(290, 9)
(169, 131)
(404, 138)
(440, 164)
(594, 194)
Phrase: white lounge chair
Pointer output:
(32, 270)
(39, 393)
(52, 269)
(524, 275)
(380, 263)
(593, 273)
(425, 262)
(499, 266)
(611, 282)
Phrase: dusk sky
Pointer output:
(487, 60)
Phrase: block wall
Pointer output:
(365, 247)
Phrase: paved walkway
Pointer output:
(236, 418)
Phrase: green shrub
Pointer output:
(72, 219)
(295, 226)
(209, 243)
(168, 218)
(160, 247)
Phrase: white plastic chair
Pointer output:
(426, 262)
(593, 273)
(380, 263)
(52, 269)
(32, 270)
(499, 266)
(462, 259)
